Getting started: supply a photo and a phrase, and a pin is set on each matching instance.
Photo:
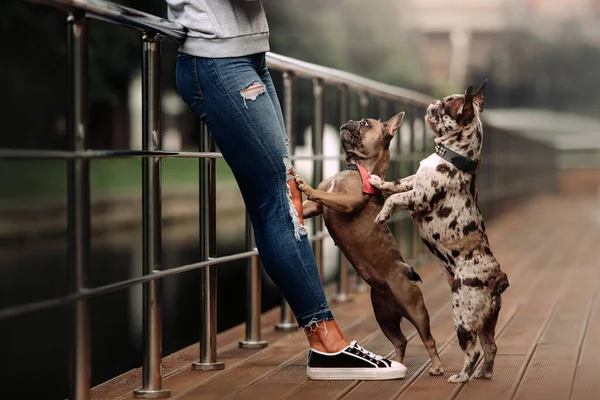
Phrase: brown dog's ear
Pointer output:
(392, 125)
(479, 96)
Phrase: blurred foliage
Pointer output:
(32, 180)
(362, 37)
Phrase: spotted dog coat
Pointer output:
(443, 204)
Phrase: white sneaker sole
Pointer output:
(362, 374)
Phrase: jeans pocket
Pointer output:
(187, 80)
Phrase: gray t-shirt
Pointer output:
(221, 28)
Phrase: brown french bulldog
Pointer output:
(349, 206)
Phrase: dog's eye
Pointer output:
(364, 123)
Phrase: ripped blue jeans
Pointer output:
(236, 98)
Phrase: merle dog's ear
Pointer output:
(479, 96)
(392, 125)
(469, 94)
(466, 114)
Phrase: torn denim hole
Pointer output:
(254, 90)
(294, 209)
(289, 168)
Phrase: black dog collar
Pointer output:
(461, 162)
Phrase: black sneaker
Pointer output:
(353, 362)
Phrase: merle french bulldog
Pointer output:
(442, 199)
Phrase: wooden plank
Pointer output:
(521, 290)
(552, 368)
(425, 386)
(514, 344)
(586, 384)
(355, 318)
(518, 342)
(124, 384)
(442, 329)
(550, 261)
(378, 343)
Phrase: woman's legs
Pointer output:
(236, 99)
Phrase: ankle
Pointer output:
(326, 336)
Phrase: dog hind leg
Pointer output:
(488, 343)
(467, 339)
(389, 317)
(410, 299)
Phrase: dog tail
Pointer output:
(414, 276)
(500, 284)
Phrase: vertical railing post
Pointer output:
(253, 290)
(398, 171)
(343, 293)
(405, 225)
(317, 143)
(208, 250)
(420, 248)
(363, 101)
(78, 197)
(383, 109)
(151, 221)
(286, 322)
(413, 165)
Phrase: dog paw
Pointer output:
(376, 181)
(458, 378)
(436, 371)
(381, 218)
(481, 373)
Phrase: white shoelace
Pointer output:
(362, 349)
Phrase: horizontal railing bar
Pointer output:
(94, 154)
(524, 159)
(121, 15)
(333, 76)
(88, 293)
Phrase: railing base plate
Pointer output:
(286, 327)
(253, 344)
(342, 298)
(151, 394)
(198, 366)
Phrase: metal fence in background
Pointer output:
(513, 167)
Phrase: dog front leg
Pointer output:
(397, 186)
(404, 201)
(311, 209)
(346, 201)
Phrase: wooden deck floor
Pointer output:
(548, 332)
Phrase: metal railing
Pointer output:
(512, 167)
